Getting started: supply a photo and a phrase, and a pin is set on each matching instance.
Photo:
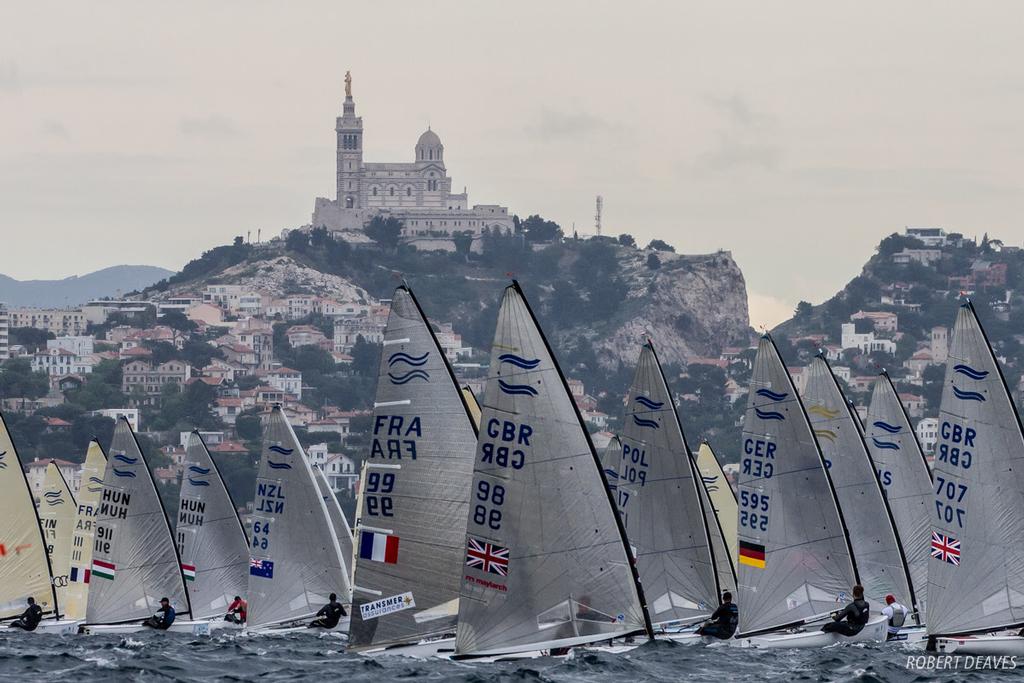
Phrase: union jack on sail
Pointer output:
(487, 557)
(946, 548)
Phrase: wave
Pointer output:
(887, 445)
(96, 480)
(967, 395)
(892, 429)
(123, 473)
(198, 482)
(409, 376)
(968, 371)
(826, 434)
(826, 413)
(646, 423)
(281, 449)
(403, 357)
(121, 457)
(516, 389)
(198, 470)
(278, 465)
(648, 403)
(769, 394)
(769, 414)
(519, 361)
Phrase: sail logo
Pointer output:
(408, 377)
(97, 484)
(826, 434)
(968, 371)
(648, 403)
(53, 498)
(710, 482)
(264, 569)
(519, 361)
(379, 608)
(278, 465)
(487, 557)
(769, 414)
(612, 476)
(771, 395)
(516, 389)
(887, 445)
(885, 426)
(123, 473)
(946, 548)
(964, 395)
(3, 465)
(200, 471)
(276, 448)
(824, 412)
(121, 457)
(403, 357)
(641, 422)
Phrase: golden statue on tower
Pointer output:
(348, 84)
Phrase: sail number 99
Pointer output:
(493, 495)
(378, 503)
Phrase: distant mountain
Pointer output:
(76, 290)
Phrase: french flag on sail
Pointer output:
(378, 547)
(79, 575)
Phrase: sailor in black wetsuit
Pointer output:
(30, 618)
(329, 615)
(163, 618)
(724, 621)
(852, 618)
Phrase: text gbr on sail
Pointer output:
(505, 432)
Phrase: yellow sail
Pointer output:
(723, 500)
(57, 511)
(24, 568)
(80, 558)
(474, 408)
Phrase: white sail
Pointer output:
(212, 543)
(135, 561)
(723, 498)
(89, 491)
(57, 515)
(725, 564)
(24, 564)
(873, 538)
(795, 561)
(296, 560)
(976, 569)
(342, 531)
(546, 562)
(906, 479)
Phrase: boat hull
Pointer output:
(873, 632)
(989, 644)
(297, 627)
(58, 626)
(196, 628)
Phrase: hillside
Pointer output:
(78, 289)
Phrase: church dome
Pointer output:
(429, 147)
(429, 139)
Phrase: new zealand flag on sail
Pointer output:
(261, 568)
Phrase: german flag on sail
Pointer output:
(752, 554)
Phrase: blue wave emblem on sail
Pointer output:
(53, 498)
(967, 395)
(968, 371)
(892, 429)
(612, 476)
(278, 465)
(403, 357)
(121, 457)
(98, 487)
(888, 445)
(648, 403)
(123, 473)
(409, 376)
(519, 361)
(198, 470)
(3, 465)
(198, 482)
(769, 414)
(772, 395)
(646, 423)
(516, 389)
(710, 482)
(281, 449)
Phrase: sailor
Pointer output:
(724, 621)
(163, 618)
(329, 615)
(30, 618)
(237, 611)
(851, 619)
(896, 614)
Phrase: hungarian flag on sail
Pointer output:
(103, 569)
(378, 547)
(752, 554)
(79, 575)
(946, 548)
(188, 571)
(487, 557)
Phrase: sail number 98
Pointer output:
(378, 503)
(493, 496)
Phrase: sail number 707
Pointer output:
(948, 494)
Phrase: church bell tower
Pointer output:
(349, 128)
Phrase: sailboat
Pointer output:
(723, 498)
(135, 561)
(296, 560)
(411, 530)
(474, 406)
(906, 480)
(546, 562)
(796, 565)
(664, 507)
(57, 515)
(89, 491)
(873, 536)
(976, 568)
(211, 540)
(339, 525)
(24, 563)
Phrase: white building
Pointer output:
(931, 237)
(57, 362)
(287, 380)
(80, 345)
(928, 434)
(865, 342)
(342, 473)
(925, 257)
(35, 472)
(5, 343)
(115, 414)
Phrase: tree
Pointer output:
(385, 231)
(540, 230)
(176, 320)
(627, 240)
(248, 427)
(365, 357)
(803, 311)
(30, 337)
(659, 245)
(17, 380)
(463, 242)
(653, 262)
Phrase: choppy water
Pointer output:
(234, 657)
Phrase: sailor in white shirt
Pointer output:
(896, 614)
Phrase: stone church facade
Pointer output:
(418, 193)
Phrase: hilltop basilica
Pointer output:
(417, 192)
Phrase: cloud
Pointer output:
(54, 129)
(767, 311)
(739, 111)
(212, 127)
(10, 77)
(553, 125)
(732, 154)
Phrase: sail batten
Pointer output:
(546, 562)
(795, 560)
(976, 563)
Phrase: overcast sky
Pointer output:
(793, 134)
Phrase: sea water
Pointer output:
(239, 657)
